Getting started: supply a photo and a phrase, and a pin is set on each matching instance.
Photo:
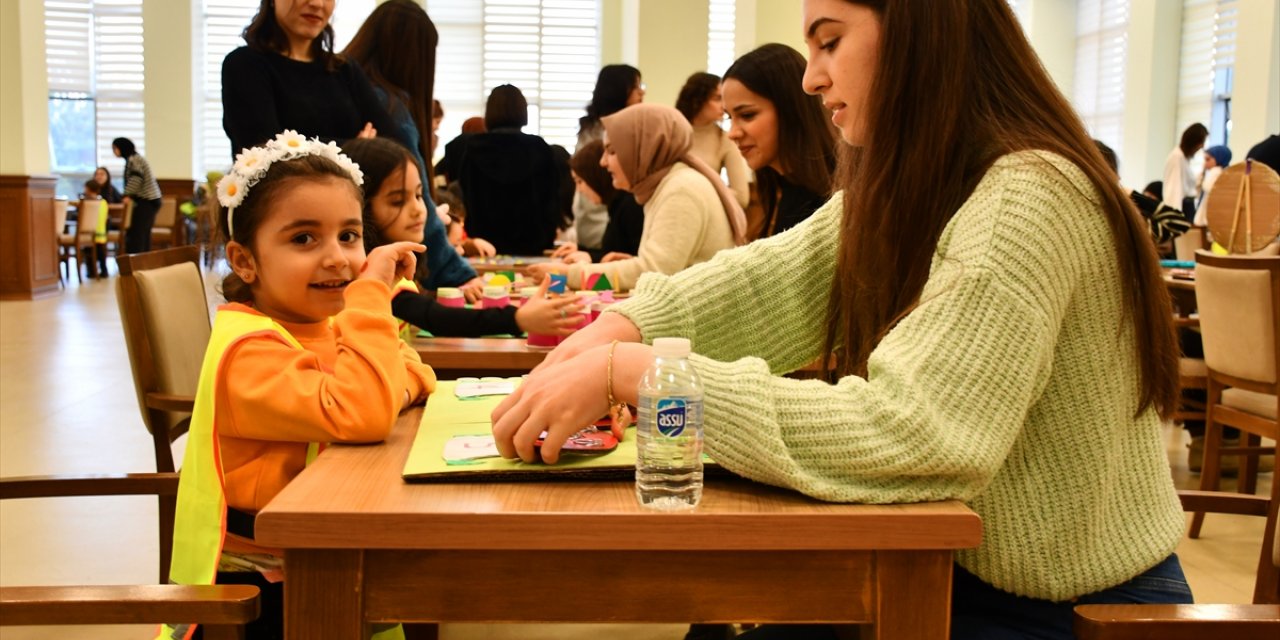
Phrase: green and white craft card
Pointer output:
(461, 428)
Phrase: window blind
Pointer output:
(721, 22)
(118, 75)
(1101, 52)
(224, 21)
(68, 37)
(549, 49)
(1206, 65)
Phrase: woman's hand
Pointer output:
(564, 249)
(564, 399)
(614, 256)
(473, 289)
(577, 257)
(367, 132)
(391, 262)
(607, 328)
(558, 316)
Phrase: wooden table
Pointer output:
(505, 263)
(456, 357)
(1183, 294)
(363, 546)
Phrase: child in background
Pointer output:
(305, 351)
(394, 209)
(453, 211)
(94, 190)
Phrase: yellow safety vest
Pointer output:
(200, 523)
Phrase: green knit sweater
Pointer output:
(1012, 385)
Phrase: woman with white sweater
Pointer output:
(689, 213)
(702, 105)
(1180, 190)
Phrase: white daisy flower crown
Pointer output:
(251, 166)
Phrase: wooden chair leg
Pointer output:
(168, 509)
(1249, 464)
(1210, 468)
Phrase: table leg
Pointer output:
(323, 594)
(913, 595)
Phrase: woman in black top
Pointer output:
(626, 217)
(767, 104)
(106, 190)
(287, 77)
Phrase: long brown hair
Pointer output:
(396, 48)
(808, 156)
(264, 34)
(957, 85)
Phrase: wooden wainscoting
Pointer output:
(28, 243)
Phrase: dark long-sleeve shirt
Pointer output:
(626, 225)
(425, 313)
(264, 93)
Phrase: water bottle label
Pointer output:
(671, 417)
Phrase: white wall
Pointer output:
(1151, 89)
(24, 89)
(170, 36)
(1255, 100)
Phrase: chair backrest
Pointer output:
(87, 218)
(1239, 302)
(167, 215)
(1186, 245)
(166, 322)
(59, 218)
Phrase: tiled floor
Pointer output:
(67, 406)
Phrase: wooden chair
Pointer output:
(165, 316)
(1186, 245)
(115, 237)
(79, 244)
(223, 609)
(1192, 374)
(1239, 301)
(64, 241)
(164, 232)
(1260, 620)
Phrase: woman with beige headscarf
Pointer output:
(689, 214)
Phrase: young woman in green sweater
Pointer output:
(995, 307)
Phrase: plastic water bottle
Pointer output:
(669, 430)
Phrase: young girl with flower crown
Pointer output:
(305, 352)
(394, 210)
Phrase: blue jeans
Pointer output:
(980, 611)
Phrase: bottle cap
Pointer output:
(448, 292)
(671, 347)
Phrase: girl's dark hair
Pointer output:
(125, 145)
(586, 163)
(506, 108)
(1156, 187)
(956, 86)
(613, 86)
(265, 34)
(775, 72)
(396, 48)
(257, 204)
(1193, 139)
(380, 159)
(695, 93)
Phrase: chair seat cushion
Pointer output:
(1259, 404)
(1192, 368)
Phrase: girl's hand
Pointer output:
(367, 132)
(564, 250)
(558, 316)
(607, 328)
(539, 272)
(614, 256)
(577, 257)
(392, 262)
(482, 248)
(473, 289)
(565, 398)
